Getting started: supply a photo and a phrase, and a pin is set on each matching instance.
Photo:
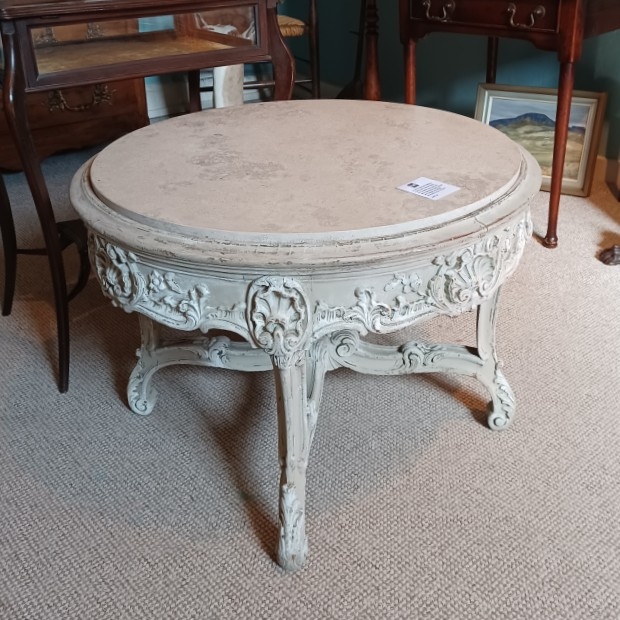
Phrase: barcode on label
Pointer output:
(428, 188)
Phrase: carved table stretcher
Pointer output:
(282, 223)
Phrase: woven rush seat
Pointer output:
(291, 27)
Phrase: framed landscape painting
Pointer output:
(527, 115)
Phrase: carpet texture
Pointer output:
(415, 509)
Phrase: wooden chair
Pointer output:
(70, 232)
(290, 27)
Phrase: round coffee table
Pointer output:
(282, 223)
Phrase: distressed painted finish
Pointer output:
(304, 297)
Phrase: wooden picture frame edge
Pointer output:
(593, 131)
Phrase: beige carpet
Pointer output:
(415, 509)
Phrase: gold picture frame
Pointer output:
(527, 115)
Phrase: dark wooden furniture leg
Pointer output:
(372, 85)
(71, 232)
(410, 60)
(17, 121)
(193, 84)
(9, 244)
(492, 49)
(281, 59)
(355, 88)
(315, 60)
(565, 95)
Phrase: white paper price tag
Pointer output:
(428, 188)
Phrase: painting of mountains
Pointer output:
(535, 131)
(528, 116)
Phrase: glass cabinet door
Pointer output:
(100, 44)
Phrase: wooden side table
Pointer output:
(305, 246)
(554, 25)
(183, 35)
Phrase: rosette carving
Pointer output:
(278, 318)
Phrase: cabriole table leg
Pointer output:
(294, 445)
(503, 402)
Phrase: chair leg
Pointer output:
(14, 99)
(74, 232)
(313, 34)
(193, 83)
(9, 243)
(61, 301)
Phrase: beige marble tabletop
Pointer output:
(328, 167)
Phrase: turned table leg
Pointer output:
(410, 67)
(372, 85)
(565, 95)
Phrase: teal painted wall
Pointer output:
(450, 67)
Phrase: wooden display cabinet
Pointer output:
(82, 116)
(83, 52)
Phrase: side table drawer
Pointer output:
(519, 15)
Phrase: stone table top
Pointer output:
(279, 177)
(302, 167)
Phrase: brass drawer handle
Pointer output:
(446, 11)
(56, 101)
(537, 13)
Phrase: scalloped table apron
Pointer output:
(282, 223)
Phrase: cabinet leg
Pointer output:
(15, 110)
(9, 244)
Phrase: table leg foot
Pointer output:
(503, 404)
(293, 543)
(141, 396)
(550, 242)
